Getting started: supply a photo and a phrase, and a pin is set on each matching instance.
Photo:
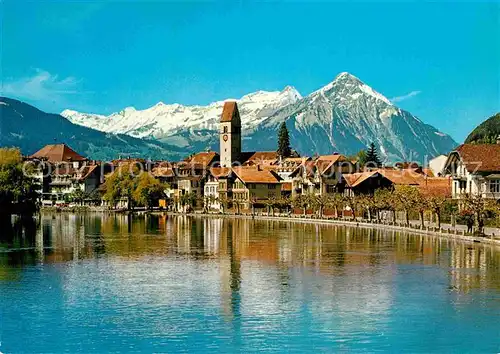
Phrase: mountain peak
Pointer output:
(291, 92)
(346, 76)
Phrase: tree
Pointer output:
(148, 190)
(302, 201)
(406, 199)
(122, 184)
(370, 205)
(481, 208)
(17, 185)
(359, 158)
(352, 201)
(78, 196)
(284, 149)
(319, 202)
(224, 202)
(337, 201)
(436, 200)
(372, 158)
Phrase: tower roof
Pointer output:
(230, 112)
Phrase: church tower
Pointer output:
(230, 134)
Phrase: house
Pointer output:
(286, 166)
(165, 172)
(254, 185)
(368, 182)
(66, 172)
(321, 176)
(216, 182)
(475, 170)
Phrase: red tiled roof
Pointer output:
(399, 177)
(428, 172)
(333, 157)
(163, 171)
(218, 172)
(406, 177)
(230, 111)
(259, 157)
(254, 175)
(58, 153)
(355, 179)
(480, 157)
(436, 186)
(203, 158)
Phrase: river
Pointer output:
(90, 283)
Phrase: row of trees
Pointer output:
(407, 200)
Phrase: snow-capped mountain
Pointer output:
(347, 115)
(344, 116)
(163, 120)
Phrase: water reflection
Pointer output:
(322, 249)
(242, 283)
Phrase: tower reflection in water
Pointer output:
(272, 256)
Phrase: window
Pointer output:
(495, 186)
(224, 130)
(271, 186)
(330, 188)
(272, 195)
(251, 186)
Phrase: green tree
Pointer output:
(407, 198)
(18, 187)
(121, 184)
(284, 149)
(78, 196)
(148, 190)
(337, 201)
(372, 157)
(481, 208)
(320, 202)
(302, 201)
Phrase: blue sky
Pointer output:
(441, 59)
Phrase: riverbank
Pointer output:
(449, 233)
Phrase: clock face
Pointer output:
(224, 137)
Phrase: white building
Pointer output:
(437, 165)
(475, 169)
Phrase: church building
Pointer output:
(230, 134)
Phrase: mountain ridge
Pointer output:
(25, 126)
(345, 115)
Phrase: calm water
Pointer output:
(115, 283)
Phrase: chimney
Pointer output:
(259, 168)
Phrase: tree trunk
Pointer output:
(422, 225)
(438, 218)
(407, 217)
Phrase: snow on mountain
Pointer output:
(344, 116)
(163, 120)
(347, 115)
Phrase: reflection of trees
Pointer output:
(474, 267)
(325, 249)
